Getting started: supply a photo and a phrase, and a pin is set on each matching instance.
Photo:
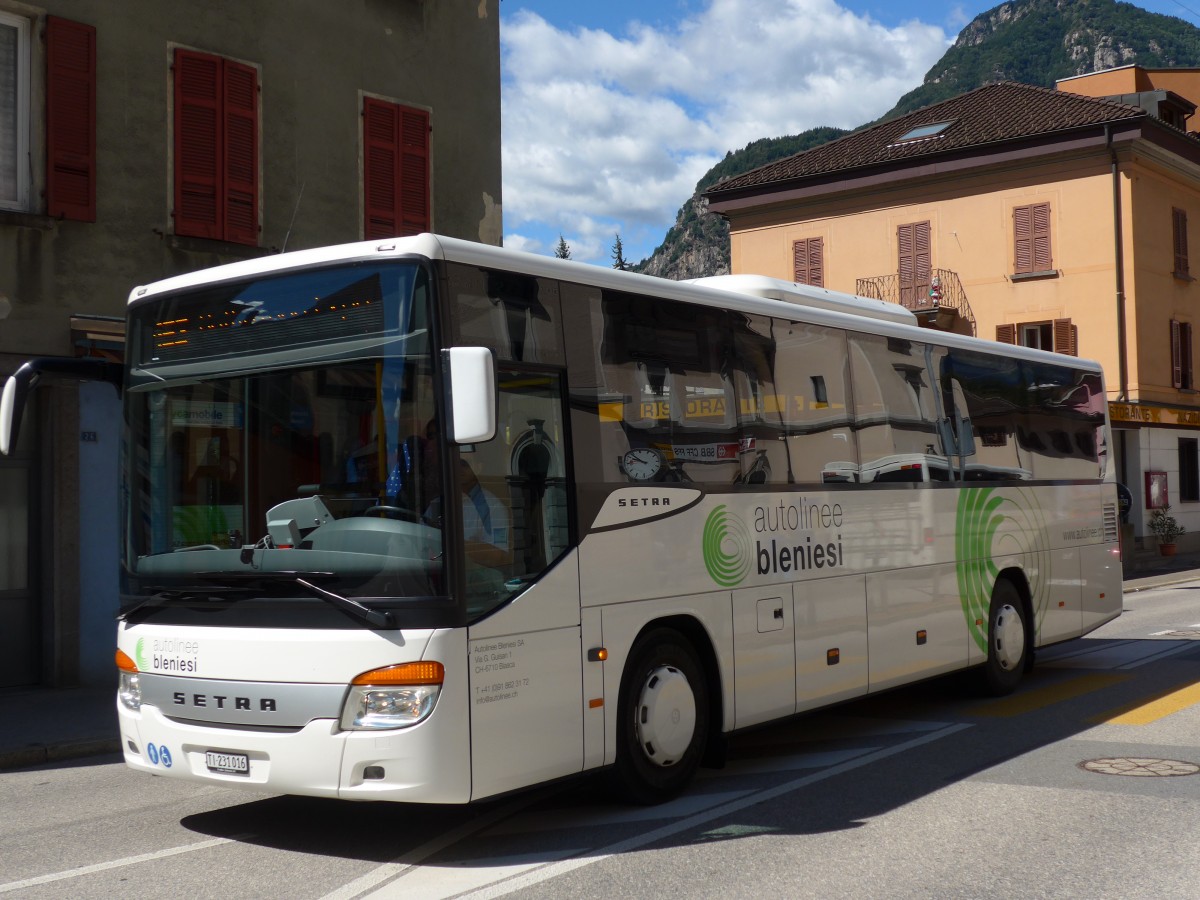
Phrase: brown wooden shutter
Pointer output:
(1065, 337)
(1006, 334)
(1185, 356)
(808, 261)
(240, 153)
(1176, 355)
(913, 263)
(1031, 239)
(414, 171)
(70, 120)
(198, 142)
(1179, 240)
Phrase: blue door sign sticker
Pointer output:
(152, 753)
(165, 755)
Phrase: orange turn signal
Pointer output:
(125, 664)
(404, 673)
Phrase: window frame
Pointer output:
(1189, 470)
(20, 202)
(1063, 332)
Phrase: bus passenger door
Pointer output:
(522, 591)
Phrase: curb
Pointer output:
(27, 757)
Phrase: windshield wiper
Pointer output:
(233, 580)
(213, 594)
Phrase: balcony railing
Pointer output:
(945, 295)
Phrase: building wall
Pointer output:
(316, 62)
(971, 233)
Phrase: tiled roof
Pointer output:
(994, 113)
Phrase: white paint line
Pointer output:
(394, 869)
(561, 819)
(112, 864)
(1173, 648)
(502, 885)
(441, 881)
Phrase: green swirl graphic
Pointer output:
(139, 655)
(726, 547)
(991, 525)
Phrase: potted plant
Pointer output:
(1166, 529)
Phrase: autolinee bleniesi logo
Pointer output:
(727, 553)
(139, 655)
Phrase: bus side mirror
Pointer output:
(471, 380)
(10, 415)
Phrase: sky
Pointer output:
(614, 109)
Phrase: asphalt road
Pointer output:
(1085, 783)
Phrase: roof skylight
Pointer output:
(923, 131)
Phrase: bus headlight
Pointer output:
(129, 692)
(392, 697)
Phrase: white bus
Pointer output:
(425, 520)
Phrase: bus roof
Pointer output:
(755, 294)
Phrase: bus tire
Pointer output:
(1008, 640)
(663, 720)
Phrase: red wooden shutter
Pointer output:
(198, 143)
(1176, 355)
(70, 120)
(1006, 334)
(1065, 335)
(240, 162)
(808, 261)
(414, 171)
(1179, 240)
(381, 151)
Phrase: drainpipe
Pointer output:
(1122, 361)
(1119, 270)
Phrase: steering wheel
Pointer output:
(392, 512)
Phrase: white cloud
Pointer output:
(606, 133)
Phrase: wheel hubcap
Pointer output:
(666, 716)
(1008, 639)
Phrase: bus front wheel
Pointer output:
(1007, 640)
(664, 718)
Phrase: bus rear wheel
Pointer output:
(664, 718)
(1008, 644)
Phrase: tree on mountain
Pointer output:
(563, 250)
(618, 255)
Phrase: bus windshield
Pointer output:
(281, 429)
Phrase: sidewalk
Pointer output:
(54, 724)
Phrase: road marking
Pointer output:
(1040, 698)
(1146, 713)
(114, 864)
(497, 882)
(412, 859)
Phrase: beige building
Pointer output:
(142, 139)
(1054, 219)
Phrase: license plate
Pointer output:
(228, 763)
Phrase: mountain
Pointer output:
(1031, 41)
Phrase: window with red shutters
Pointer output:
(1031, 239)
(216, 148)
(913, 263)
(395, 169)
(808, 261)
(70, 120)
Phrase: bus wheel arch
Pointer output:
(668, 710)
(1009, 635)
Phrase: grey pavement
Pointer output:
(46, 724)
